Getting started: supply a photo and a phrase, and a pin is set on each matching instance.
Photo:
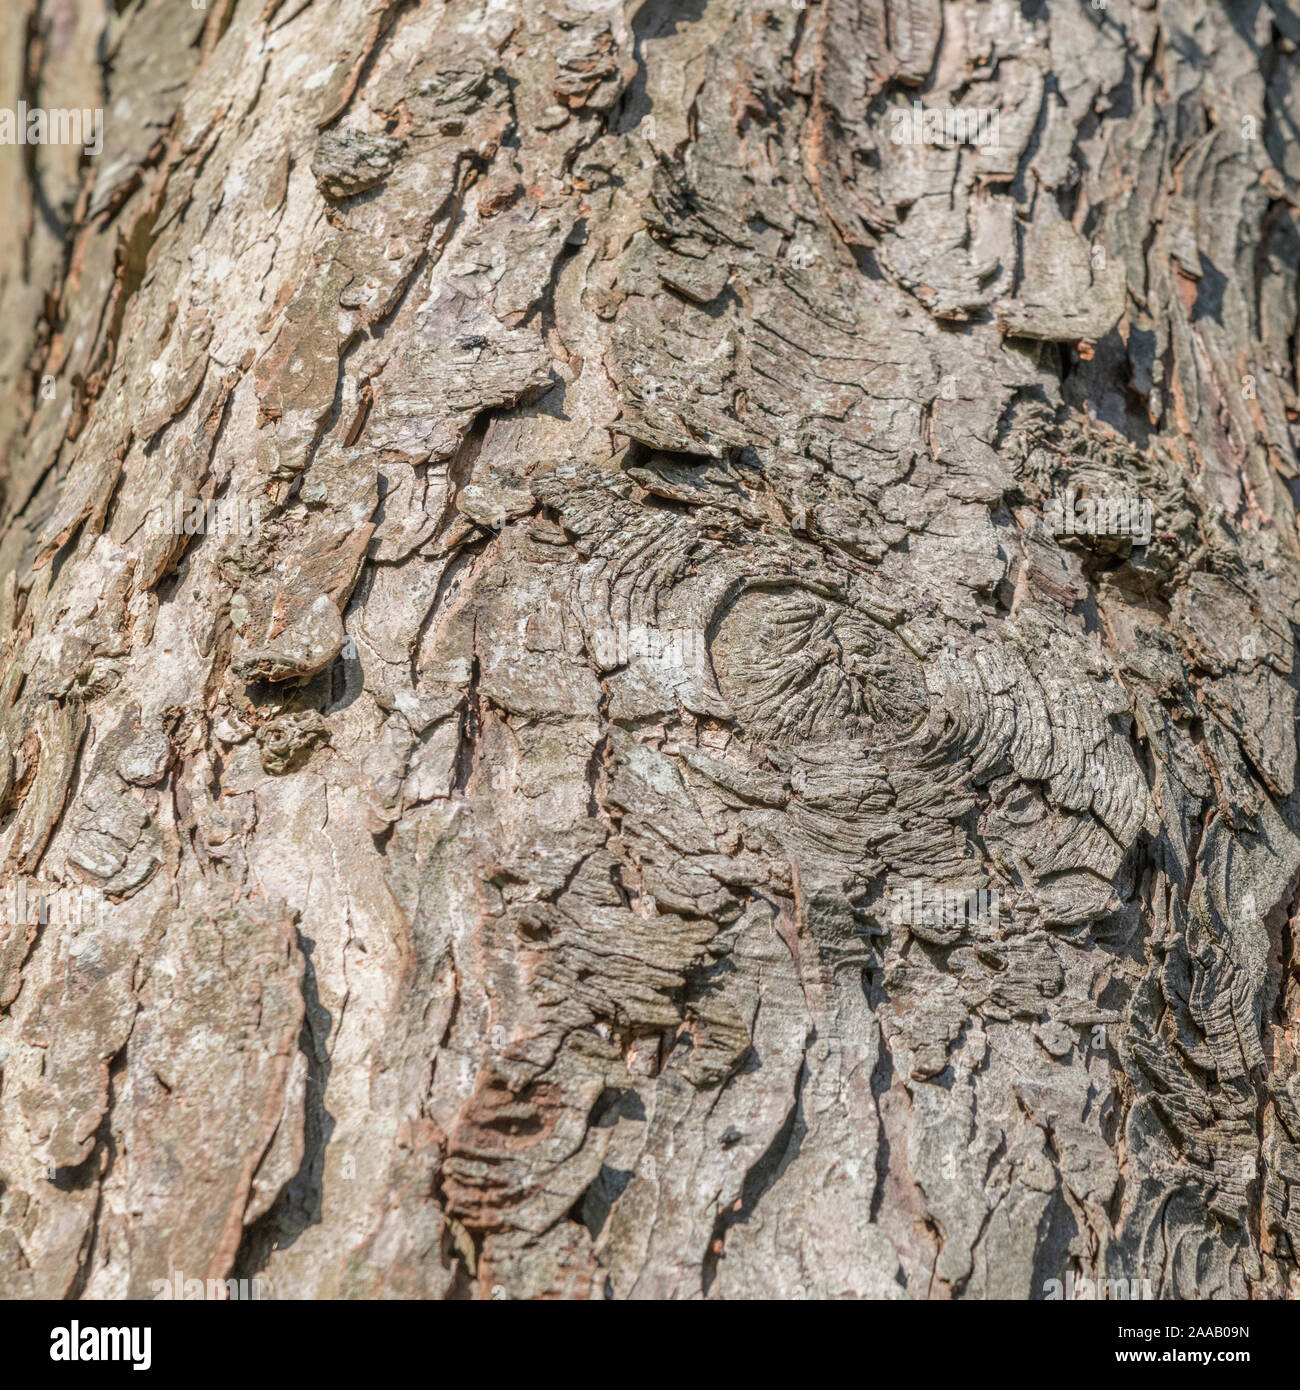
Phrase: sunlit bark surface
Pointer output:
(654, 776)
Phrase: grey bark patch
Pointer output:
(305, 647)
(348, 161)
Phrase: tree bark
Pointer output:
(636, 778)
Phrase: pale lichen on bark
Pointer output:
(506, 841)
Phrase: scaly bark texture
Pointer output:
(651, 587)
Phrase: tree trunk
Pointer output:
(662, 636)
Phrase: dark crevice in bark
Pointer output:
(299, 1204)
(759, 1179)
